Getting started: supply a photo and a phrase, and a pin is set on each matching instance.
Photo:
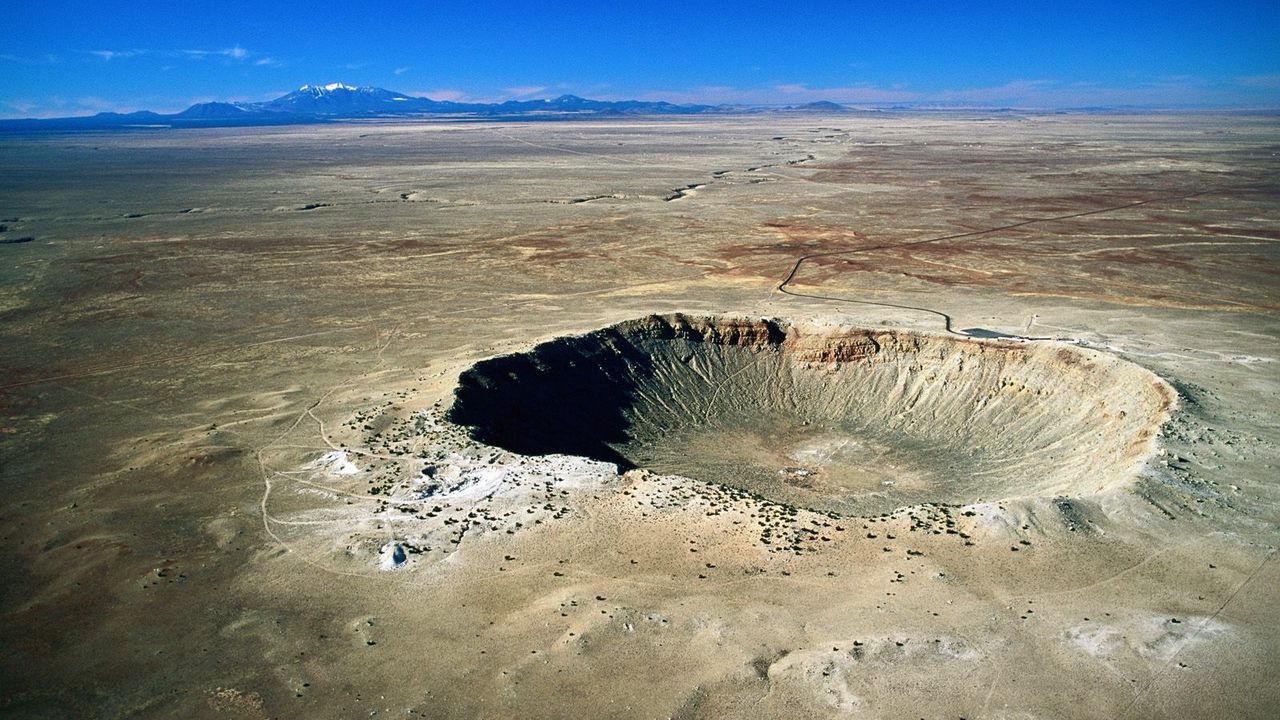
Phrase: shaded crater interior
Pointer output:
(824, 416)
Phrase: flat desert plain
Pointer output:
(785, 415)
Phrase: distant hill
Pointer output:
(337, 101)
(822, 106)
(213, 110)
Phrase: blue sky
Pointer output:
(70, 58)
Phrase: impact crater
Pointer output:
(825, 416)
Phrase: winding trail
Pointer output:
(947, 320)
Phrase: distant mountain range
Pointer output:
(336, 102)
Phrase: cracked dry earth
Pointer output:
(512, 420)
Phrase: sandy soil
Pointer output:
(233, 488)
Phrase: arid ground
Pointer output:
(979, 413)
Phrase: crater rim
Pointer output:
(1019, 419)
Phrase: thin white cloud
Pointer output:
(1263, 81)
(95, 104)
(524, 91)
(1010, 92)
(109, 55)
(401, 70)
(454, 95)
(22, 106)
(782, 94)
(845, 94)
(46, 59)
(1168, 91)
(232, 53)
(442, 94)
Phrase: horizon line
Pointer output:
(924, 100)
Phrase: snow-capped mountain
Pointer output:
(331, 87)
(342, 99)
